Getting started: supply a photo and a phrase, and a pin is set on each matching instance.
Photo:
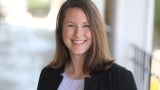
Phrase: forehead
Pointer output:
(75, 13)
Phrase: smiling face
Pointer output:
(76, 31)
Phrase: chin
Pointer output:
(78, 53)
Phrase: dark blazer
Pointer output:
(115, 78)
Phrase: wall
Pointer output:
(132, 24)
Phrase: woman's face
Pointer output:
(76, 31)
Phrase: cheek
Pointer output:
(88, 34)
(65, 37)
(66, 34)
(90, 37)
(63, 34)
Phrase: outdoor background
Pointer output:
(27, 40)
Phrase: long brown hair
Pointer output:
(98, 56)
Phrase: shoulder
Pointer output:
(46, 74)
(120, 77)
(118, 73)
(47, 69)
(50, 71)
(48, 77)
(116, 69)
(115, 72)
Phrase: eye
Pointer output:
(70, 25)
(87, 26)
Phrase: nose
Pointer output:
(78, 32)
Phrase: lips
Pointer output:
(79, 41)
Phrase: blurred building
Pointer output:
(27, 41)
(131, 30)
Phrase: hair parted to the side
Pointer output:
(98, 56)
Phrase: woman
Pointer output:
(82, 60)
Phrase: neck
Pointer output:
(75, 68)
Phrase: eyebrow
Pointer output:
(74, 22)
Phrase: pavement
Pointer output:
(24, 51)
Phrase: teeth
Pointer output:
(78, 42)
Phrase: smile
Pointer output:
(79, 41)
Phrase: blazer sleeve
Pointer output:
(42, 79)
(127, 82)
(122, 79)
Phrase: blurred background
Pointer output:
(27, 40)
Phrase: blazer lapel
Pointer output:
(91, 83)
(54, 82)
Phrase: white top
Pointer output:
(70, 83)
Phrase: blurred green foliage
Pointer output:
(156, 35)
(38, 4)
(38, 7)
(157, 15)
